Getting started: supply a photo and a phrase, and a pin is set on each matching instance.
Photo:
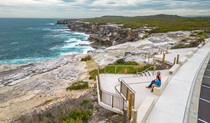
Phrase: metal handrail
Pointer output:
(146, 70)
(126, 66)
(111, 95)
(126, 85)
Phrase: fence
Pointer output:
(125, 89)
(113, 100)
(123, 69)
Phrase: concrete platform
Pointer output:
(137, 83)
(172, 104)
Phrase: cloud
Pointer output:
(92, 8)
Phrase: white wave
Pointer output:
(72, 40)
(57, 36)
(70, 45)
(61, 30)
(14, 43)
(45, 29)
(50, 23)
(80, 33)
(68, 53)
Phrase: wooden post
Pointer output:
(130, 97)
(174, 60)
(120, 87)
(105, 70)
(125, 70)
(100, 92)
(112, 101)
(127, 94)
(134, 116)
(177, 60)
(154, 68)
(124, 116)
(163, 60)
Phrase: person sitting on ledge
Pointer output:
(156, 82)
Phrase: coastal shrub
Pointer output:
(86, 104)
(123, 62)
(86, 58)
(93, 74)
(81, 114)
(205, 35)
(122, 69)
(145, 36)
(77, 116)
(78, 86)
(178, 46)
(71, 120)
(85, 101)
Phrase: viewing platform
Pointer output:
(169, 103)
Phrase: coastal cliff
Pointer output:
(105, 35)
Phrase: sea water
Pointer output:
(29, 40)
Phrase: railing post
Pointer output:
(154, 68)
(100, 91)
(134, 116)
(174, 60)
(124, 116)
(120, 86)
(112, 101)
(126, 93)
(177, 61)
(134, 100)
(125, 70)
(105, 70)
(130, 97)
(137, 70)
(163, 60)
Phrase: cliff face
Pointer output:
(106, 35)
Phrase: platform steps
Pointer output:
(144, 74)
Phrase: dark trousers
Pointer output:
(152, 82)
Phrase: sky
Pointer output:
(97, 8)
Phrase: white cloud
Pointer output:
(92, 8)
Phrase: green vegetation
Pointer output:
(80, 115)
(123, 62)
(119, 113)
(164, 24)
(93, 74)
(192, 44)
(78, 86)
(122, 67)
(85, 101)
(86, 58)
(178, 46)
(145, 36)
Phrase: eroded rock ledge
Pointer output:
(107, 34)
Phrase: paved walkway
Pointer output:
(171, 105)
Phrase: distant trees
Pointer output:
(163, 24)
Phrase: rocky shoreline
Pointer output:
(108, 34)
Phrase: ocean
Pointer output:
(29, 40)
